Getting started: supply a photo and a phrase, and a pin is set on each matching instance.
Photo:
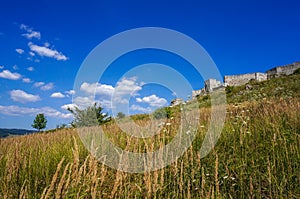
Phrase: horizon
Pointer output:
(43, 44)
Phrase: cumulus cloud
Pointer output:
(26, 80)
(153, 101)
(44, 86)
(29, 32)
(97, 89)
(20, 51)
(126, 88)
(6, 74)
(68, 106)
(23, 97)
(38, 84)
(84, 102)
(70, 92)
(30, 68)
(57, 95)
(31, 54)
(48, 111)
(47, 52)
(47, 87)
(1, 67)
(135, 107)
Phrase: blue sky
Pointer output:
(43, 44)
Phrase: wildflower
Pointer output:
(232, 178)
(161, 124)
(225, 177)
(168, 124)
(202, 126)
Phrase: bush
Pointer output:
(91, 116)
(297, 71)
(165, 112)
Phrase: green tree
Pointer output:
(39, 122)
(120, 115)
(91, 116)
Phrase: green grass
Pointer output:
(257, 156)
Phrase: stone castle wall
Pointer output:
(236, 80)
(283, 70)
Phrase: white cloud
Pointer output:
(128, 86)
(97, 88)
(47, 52)
(139, 100)
(33, 34)
(125, 89)
(48, 111)
(30, 33)
(84, 102)
(6, 74)
(38, 84)
(57, 95)
(1, 67)
(44, 86)
(153, 101)
(135, 107)
(26, 80)
(23, 97)
(67, 106)
(30, 68)
(20, 51)
(31, 54)
(70, 92)
(47, 87)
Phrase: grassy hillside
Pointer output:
(257, 156)
(283, 87)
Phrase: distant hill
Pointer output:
(13, 132)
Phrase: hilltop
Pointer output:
(255, 156)
(277, 88)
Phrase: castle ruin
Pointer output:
(283, 70)
(210, 85)
(237, 80)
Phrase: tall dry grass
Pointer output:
(257, 156)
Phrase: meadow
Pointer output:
(257, 156)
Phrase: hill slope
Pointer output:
(256, 156)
